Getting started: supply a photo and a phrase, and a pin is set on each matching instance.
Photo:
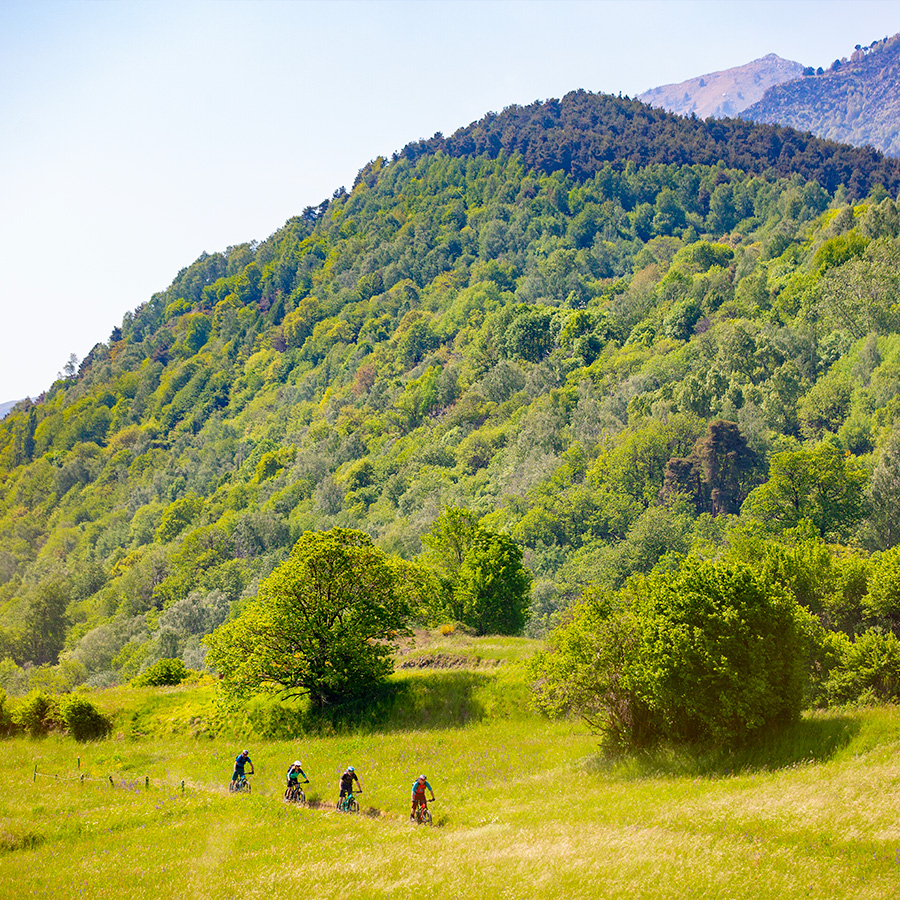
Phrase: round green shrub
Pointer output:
(163, 672)
(37, 714)
(82, 719)
(720, 652)
(709, 654)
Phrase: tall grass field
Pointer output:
(526, 807)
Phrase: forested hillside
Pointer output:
(612, 333)
(856, 100)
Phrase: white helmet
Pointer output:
(297, 764)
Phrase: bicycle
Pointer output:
(422, 815)
(294, 793)
(239, 785)
(348, 804)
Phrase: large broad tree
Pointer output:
(493, 588)
(483, 582)
(322, 625)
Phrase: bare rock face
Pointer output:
(725, 93)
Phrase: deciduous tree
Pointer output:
(322, 625)
(820, 484)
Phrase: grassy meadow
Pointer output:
(526, 807)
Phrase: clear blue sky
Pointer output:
(137, 135)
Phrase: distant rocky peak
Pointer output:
(724, 93)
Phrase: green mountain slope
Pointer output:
(857, 100)
(583, 132)
(537, 319)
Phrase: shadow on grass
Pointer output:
(440, 700)
(407, 702)
(813, 739)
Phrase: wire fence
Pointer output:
(83, 777)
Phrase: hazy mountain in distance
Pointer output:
(725, 93)
(856, 101)
(6, 407)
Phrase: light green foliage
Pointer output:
(701, 257)
(162, 672)
(860, 295)
(883, 524)
(884, 588)
(709, 653)
(819, 484)
(177, 516)
(838, 250)
(44, 620)
(483, 581)
(867, 671)
(493, 586)
(37, 714)
(582, 669)
(825, 407)
(7, 723)
(829, 584)
(322, 624)
(529, 336)
(447, 541)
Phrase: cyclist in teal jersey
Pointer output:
(294, 773)
(242, 760)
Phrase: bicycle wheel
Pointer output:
(353, 806)
(339, 806)
(424, 816)
(245, 787)
(300, 796)
(288, 794)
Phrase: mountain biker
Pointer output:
(420, 785)
(242, 759)
(294, 773)
(347, 780)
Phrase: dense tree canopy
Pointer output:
(818, 484)
(323, 624)
(600, 330)
(484, 583)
